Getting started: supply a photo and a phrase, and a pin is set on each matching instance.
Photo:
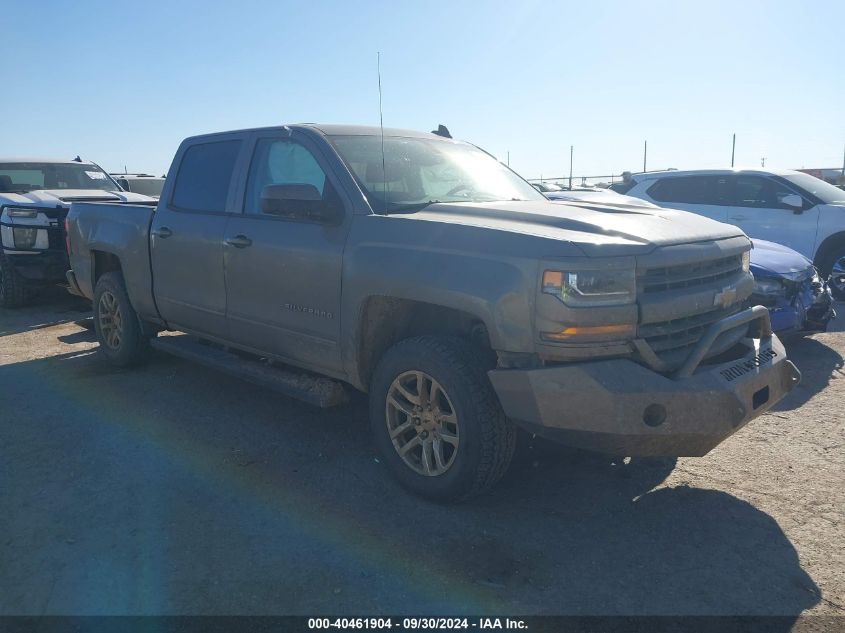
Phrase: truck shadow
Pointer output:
(53, 306)
(236, 487)
(818, 364)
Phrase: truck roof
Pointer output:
(331, 130)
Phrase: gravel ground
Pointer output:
(174, 489)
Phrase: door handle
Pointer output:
(162, 232)
(738, 217)
(239, 241)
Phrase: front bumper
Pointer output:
(623, 408)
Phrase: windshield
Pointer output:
(826, 192)
(23, 177)
(419, 171)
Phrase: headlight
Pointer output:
(768, 287)
(19, 212)
(591, 288)
(746, 261)
(24, 238)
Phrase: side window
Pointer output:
(691, 190)
(759, 193)
(282, 162)
(205, 172)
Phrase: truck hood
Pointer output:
(775, 260)
(596, 229)
(64, 197)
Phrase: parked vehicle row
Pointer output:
(34, 198)
(422, 271)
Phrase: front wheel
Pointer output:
(436, 419)
(123, 340)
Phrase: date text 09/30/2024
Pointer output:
(410, 623)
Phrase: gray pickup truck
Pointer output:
(419, 269)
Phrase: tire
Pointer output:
(13, 290)
(833, 264)
(471, 441)
(122, 337)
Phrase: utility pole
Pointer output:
(645, 154)
(571, 152)
(733, 150)
(509, 158)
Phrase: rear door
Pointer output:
(756, 208)
(283, 275)
(186, 237)
(702, 194)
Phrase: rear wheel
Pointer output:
(13, 290)
(436, 419)
(122, 337)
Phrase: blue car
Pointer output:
(788, 284)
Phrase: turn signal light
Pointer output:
(570, 333)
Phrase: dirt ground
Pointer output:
(174, 489)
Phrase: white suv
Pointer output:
(788, 207)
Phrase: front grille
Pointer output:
(683, 332)
(674, 337)
(689, 275)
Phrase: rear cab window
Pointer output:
(205, 176)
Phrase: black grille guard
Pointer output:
(699, 351)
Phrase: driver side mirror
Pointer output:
(794, 202)
(301, 202)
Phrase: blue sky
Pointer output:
(123, 83)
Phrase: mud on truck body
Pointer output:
(424, 272)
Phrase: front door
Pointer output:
(283, 275)
(186, 240)
(756, 208)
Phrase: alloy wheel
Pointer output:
(422, 423)
(110, 320)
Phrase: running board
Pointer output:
(317, 390)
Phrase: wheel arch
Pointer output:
(385, 320)
(103, 262)
(826, 249)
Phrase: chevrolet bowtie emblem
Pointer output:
(725, 298)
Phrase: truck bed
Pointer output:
(100, 230)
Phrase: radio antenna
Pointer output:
(381, 125)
